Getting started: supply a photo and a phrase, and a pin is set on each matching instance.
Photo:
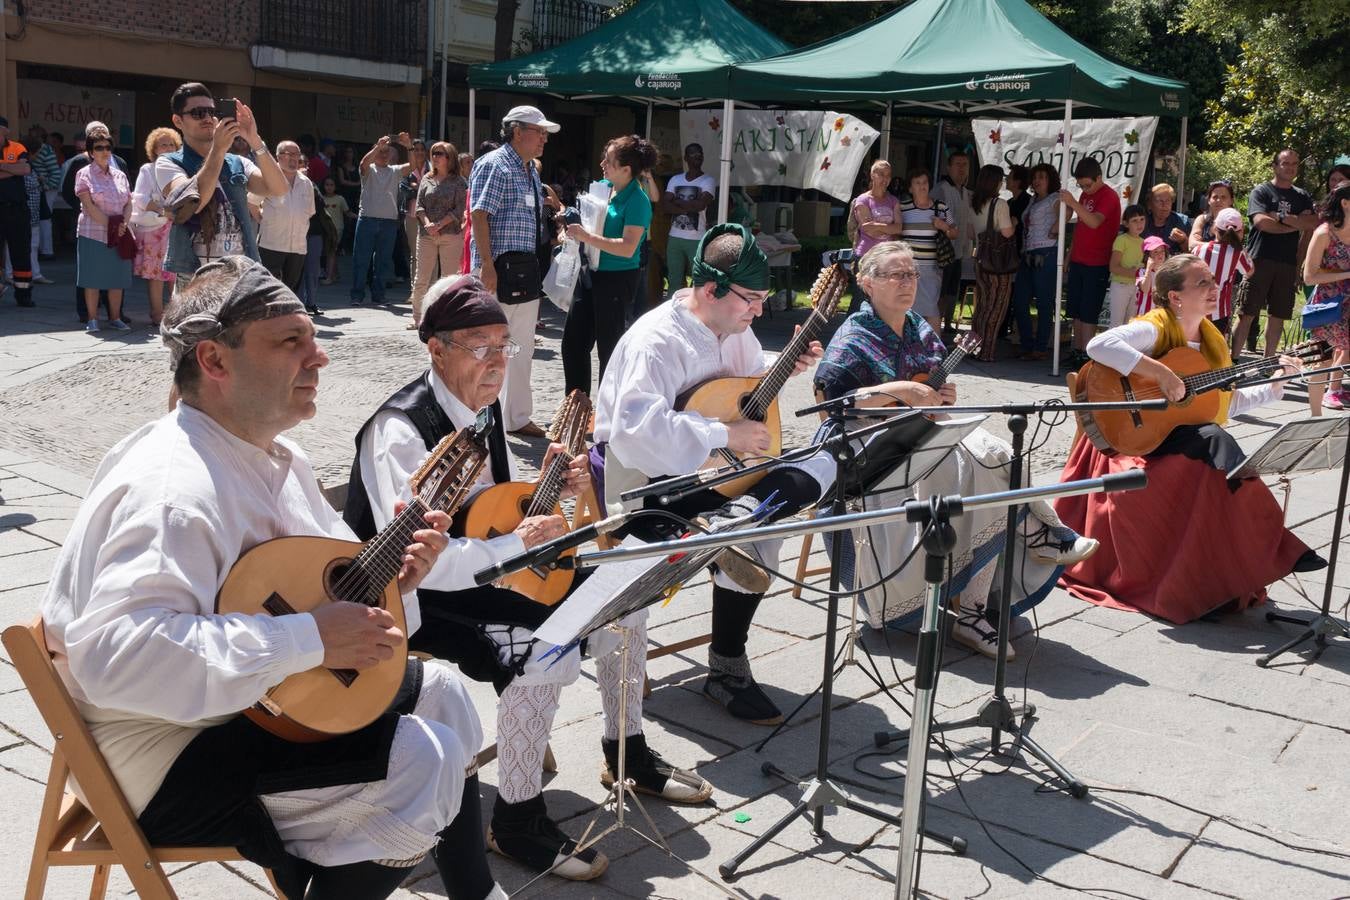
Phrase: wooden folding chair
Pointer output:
(105, 832)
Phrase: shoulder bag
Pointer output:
(996, 253)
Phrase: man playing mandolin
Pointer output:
(703, 333)
(161, 678)
(1159, 545)
(488, 630)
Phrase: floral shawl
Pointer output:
(865, 351)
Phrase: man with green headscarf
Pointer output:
(704, 332)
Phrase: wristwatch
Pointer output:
(1280, 216)
(261, 148)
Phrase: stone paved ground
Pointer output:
(1210, 776)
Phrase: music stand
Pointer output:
(1313, 445)
(917, 446)
(899, 457)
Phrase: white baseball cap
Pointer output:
(1228, 219)
(530, 115)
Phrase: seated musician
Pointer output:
(701, 333)
(488, 630)
(161, 679)
(886, 345)
(1159, 544)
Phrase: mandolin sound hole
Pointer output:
(743, 404)
(342, 582)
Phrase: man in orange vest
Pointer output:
(15, 228)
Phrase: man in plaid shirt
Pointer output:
(506, 198)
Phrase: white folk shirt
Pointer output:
(391, 451)
(665, 353)
(130, 618)
(285, 219)
(1122, 348)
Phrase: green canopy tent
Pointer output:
(959, 58)
(659, 52)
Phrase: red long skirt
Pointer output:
(1180, 547)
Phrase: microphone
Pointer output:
(549, 551)
(1129, 480)
(674, 483)
(843, 400)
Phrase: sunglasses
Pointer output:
(201, 112)
(98, 147)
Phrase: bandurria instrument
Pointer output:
(500, 508)
(1135, 433)
(968, 345)
(299, 574)
(756, 397)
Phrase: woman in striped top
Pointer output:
(923, 217)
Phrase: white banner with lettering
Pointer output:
(1121, 145)
(803, 149)
(68, 108)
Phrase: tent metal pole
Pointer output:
(1181, 167)
(886, 133)
(648, 132)
(473, 144)
(937, 151)
(724, 170)
(445, 87)
(1064, 169)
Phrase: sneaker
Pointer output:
(91, 326)
(731, 685)
(974, 631)
(42, 279)
(313, 310)
(651, 774)
(524, 832)
(119, 325)
(1060, 546)
(1334, 400)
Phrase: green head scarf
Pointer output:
(750, 271)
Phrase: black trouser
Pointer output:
(596, 320)
(17, 233)
(732, 611)
(288, 267)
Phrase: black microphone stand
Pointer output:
(997, 713)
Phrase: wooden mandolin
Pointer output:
(1135, 433)
(756, 397)
(298, 574)
(500, 508)
(968, 345)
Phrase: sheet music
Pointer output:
(606, 583)
(1310, 445)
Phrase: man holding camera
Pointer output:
(206, 188)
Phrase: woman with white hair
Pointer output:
(886, 346)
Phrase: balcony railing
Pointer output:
(380, 30)
(558, 21)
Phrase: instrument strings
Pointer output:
(762, 397)
(1203, 381)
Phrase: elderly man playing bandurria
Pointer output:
(704, 332)
(488, 630)
(162, 678)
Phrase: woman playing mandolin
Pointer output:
(1158, 544)
(887, 345)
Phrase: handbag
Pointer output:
(996, 253)
(943, 250)
(518, 277)
(1323, 311)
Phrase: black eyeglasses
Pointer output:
(749, 301)
(201, 112)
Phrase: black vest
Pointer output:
(417, 402)
(451, 622)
